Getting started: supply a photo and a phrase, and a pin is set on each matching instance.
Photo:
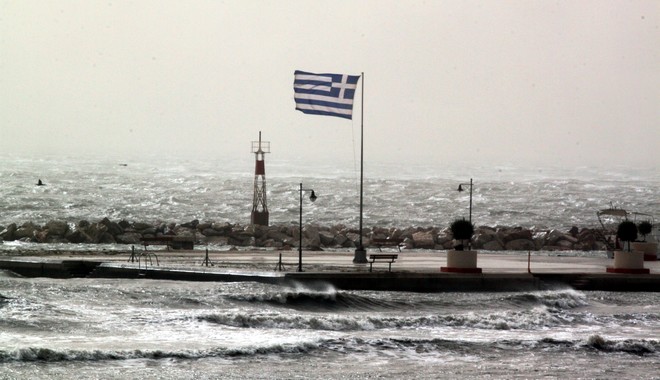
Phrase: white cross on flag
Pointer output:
(325, 94)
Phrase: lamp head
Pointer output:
(460, 187)
(312, 197)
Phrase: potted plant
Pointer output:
(649, 248)
(460, 259)
(628, 261)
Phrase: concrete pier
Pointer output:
(417, 271)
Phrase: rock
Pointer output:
(192, 224)
(565, 244)
(212, 232)
(112, 228)
(313, 237)
(96, 231)
(493, 245)
(106, 238)
(27, 230)
(124, 225)
(517, 234)
(149, 231)
(423, 240)
(482, 237)
(340, 240)
(553, 237)
(129, 238)
(276, 235)
(327, 238)
(138, 226)
(7, 233)
(78, 237)
(520, 245)
(223, 228)
(41, 236)
(57, 228)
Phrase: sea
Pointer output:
(153, 329)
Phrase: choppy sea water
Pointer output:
(150, 190)
(136, 329)
(146, 329)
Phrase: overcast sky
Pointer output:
(538, 82)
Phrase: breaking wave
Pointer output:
(641, 347)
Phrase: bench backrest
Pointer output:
(379, 256)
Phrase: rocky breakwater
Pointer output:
(287, 236)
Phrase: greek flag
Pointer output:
(325, 94)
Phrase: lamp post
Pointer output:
(312, 198)
(460, 188)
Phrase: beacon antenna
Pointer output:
(259, 205)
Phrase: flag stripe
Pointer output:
(325, 94)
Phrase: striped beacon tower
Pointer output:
(259, 206)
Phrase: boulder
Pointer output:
(139, 226)
(517, 234)
(95, 232)
(27, 230)
(276, 235)
(483, 237)
(493, 245)
(192, 224)
(224, 228)
(106, 238)
(565, 244)
(313, 237)
(520, 245)
(423, 240)
(553, 237)
(57, 228)
(327, 238)
(41, 236)
(8, 232)
(128, 238)
(78, 237)
(112, 228)
(212, 232)
(340, 240)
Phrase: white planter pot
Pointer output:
(461, 259)
(628, 260)
(646, 247)
(650, 249)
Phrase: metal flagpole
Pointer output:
(360, 252)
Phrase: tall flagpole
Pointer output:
(360, 252)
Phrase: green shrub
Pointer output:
(462, 230)
(644, 228)
(627, 231)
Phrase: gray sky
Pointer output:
(538, 82)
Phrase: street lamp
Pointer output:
(312, 198)
(460, 188)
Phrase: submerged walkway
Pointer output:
(413, 270)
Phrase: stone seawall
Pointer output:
(314, 236)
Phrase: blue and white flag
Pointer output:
(325, 94)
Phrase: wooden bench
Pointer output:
(387, 243)
(171, 241)
(390, 258)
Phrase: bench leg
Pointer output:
(390, 266)
(371, 265)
